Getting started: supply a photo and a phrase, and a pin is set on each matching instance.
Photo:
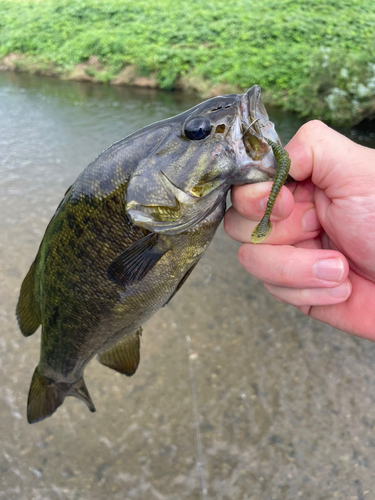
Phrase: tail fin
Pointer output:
(46, 395)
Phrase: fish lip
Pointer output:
(252, 116)
(253, 109)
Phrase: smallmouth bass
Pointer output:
(129, 232)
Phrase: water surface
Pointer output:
(286, 405)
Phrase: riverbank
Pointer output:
(311, 58)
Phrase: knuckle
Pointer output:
(228, 222)
(306, 310)
(315, 127)
(273, 292)
(302, 297)
(285, 272)
(242, 255)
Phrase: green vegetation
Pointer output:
(311, 56)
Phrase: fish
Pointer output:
(129, 232)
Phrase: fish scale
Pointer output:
(127, 235)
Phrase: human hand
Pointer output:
(320, 255)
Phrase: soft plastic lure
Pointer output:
(264, 227)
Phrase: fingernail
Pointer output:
(341, 291)
(329, 270)
(310, 221)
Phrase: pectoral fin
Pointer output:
(124, 356)
(27, 312)
(132, 265)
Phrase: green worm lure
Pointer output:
(264, 227)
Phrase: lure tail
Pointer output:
(46, 395)
(264, 227)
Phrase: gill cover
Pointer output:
(186, 176)
(219, 143)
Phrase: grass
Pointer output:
(313, 57)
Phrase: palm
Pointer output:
(320, 255)
(354, 237)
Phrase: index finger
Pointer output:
(319, 152)
(250, 201)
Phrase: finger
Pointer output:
(313, 244)
(302, 224)
(304, 191)
(306, 297)
(250, 201)
(290, 267)
(355, 315)
(317, 151)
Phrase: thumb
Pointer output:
(330, 159)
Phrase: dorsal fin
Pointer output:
(28, 314)
(124, 356)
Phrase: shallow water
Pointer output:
(286, 405)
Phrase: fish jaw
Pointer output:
(255, 160)
(161, 195)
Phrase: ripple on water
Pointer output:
(285, 405)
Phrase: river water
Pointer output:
(286, 405)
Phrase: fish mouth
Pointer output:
(255, 115)
(250, 131)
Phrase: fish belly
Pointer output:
(67, 350)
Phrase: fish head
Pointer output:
(197, 157)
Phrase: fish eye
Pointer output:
(197, 128)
